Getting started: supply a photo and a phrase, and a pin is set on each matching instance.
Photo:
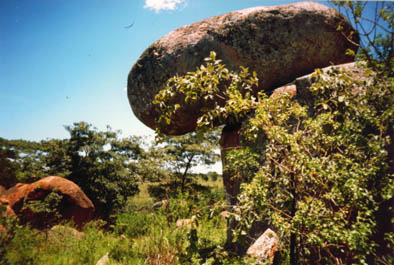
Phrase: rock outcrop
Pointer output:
(280, 43)
(74, 204)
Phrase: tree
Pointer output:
(376, 32)
(20, 161)
(7, 167)
(150, 165)
(99, 162)
(171, 160)
(187, 151)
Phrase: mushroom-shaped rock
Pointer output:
(73, 204)
(279, 43)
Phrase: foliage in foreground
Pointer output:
(322, 179)
(325, 177)
(318, 169)
(324, 174)
(142, 237)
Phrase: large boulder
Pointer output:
(280, 43)
(73, 203)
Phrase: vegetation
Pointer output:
(140, 236)
(318, 170)
(324, 174)
(179, 154)
(19, 162)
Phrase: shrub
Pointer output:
(132, 224)
(324, 169)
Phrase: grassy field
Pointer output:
(137, 235)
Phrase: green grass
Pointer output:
(137, 235)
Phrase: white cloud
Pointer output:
(158, 5)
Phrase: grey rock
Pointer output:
(280, 43)
(159, 204)
(265, 247)
(59, 232)
(104, 260)
(299, 88)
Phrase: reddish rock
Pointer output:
(290, 89)
(2, 190)
(224, 214)
(280, 43)
(2, 230)
(74, 204)
(184, 223)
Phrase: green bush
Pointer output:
(24, 247)
(317, 168)
(132, 224)
(324, 173)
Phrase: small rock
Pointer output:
(225, 214)
(60, 230)
(184, 223)
(265, 247)
(157, 205)
(104, 260)
(291, 89)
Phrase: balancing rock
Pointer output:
(279, 43)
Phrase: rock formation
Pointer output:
(280, 43)
(74, 204)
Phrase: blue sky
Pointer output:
(64, 61)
